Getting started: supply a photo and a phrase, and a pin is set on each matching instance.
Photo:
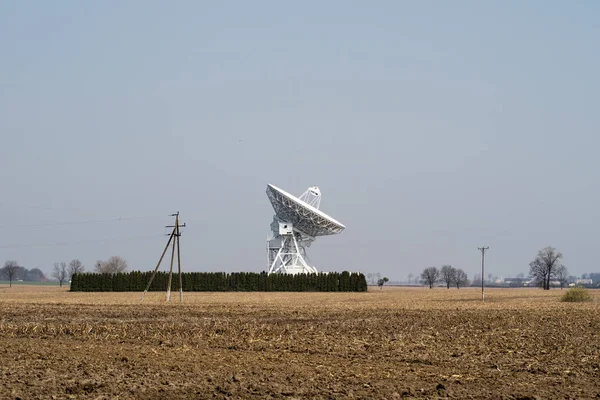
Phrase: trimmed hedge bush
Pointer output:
(136, 281)
(576, 295)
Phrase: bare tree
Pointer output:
(372, 277)
(382, 281)
(545, 266)
(35, 275)
(10, 270)
(430, 276)
(460, 278)
(114, 265)
(75, 267)
(448, 275)
(410, 277)
(538, 272)
(562, 275)
(60, 272)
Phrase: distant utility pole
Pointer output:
(482, 249)
(174, 236)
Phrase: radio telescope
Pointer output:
(296, 224)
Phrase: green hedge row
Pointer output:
(136, 281)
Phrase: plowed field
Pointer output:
(395, 343)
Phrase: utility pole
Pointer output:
(177, 235)
(174, 237)
(482, 249)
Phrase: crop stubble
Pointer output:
(399, 342)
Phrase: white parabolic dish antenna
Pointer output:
(296, 224)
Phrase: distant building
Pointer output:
(583, 282)
(514, 282)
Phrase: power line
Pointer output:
(58, 244)
(84, 222)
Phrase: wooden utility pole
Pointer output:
(171, 268)
(179, 258)
(482, 249)
(174, 236)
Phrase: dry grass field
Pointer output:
(395, 343)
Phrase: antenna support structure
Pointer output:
(286, 249)
(174, 239)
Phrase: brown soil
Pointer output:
(395, 343)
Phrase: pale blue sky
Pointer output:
(431, 127)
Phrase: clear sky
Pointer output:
(431, 128)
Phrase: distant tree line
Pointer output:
(373, 278)
(12, 271)
(545, 270)
(63, 271)
(136, 281)
(113, 265)
(448, 275)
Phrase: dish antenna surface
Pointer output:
(296, 224)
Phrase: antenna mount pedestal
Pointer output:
(286, 250)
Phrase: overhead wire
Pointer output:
(116, 216)
(83, 222)
(76, 242)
